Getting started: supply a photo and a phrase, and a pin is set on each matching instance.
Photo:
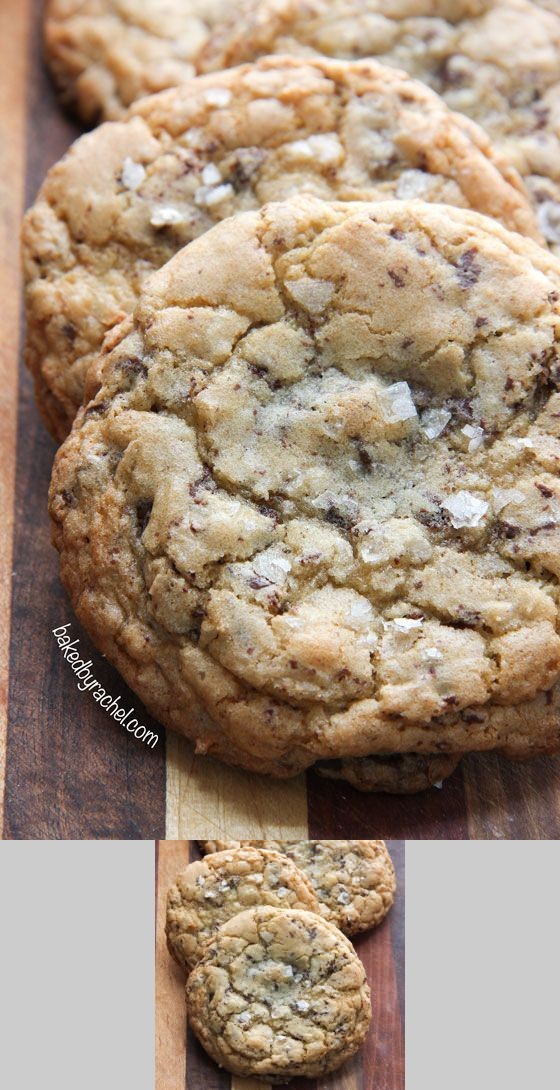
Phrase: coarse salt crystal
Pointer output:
(401, 405)
(548, 215)
(434, 421)
(132, 174)
(272, 566)
(211, 175)
(244, 1017)
(333, 429)
(403, 624)
(212, 197)
(522, 441)
(343, 504)
(165, 216)
(474, 434)
(324, 148)
(465, 509)
(432, 654)
(369, 554)
(501, 497)
(292, 622)
(217, 96)
(343, 897)
(302, 1005)
(361, 613)
(413, 183)
(314, 295)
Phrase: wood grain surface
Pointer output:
(69, 770)
(181, 1063)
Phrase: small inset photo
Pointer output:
(280, 962)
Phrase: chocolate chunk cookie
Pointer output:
(399, 774)
(498, 61)
(312, 512)
(279, 994)
(105, 54)
(209, 892)
(129, 195)
(354, 880)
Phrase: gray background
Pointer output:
(483, 965)
(77, 965)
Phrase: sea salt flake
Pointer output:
(327, 501)
(314, 295)
(432, 654)
(369, 554)
(401, 405)
(522, 441)
(361, 613)
(343, 897)
(217, 96)
(404, 624)
(466, 510)
(244, 1017)
(548, 215)
(132, 174)
(211, 197)
(474, 434)
(333, 429)
(272, 566)
(302, 1005)
(211, 175)
(434, 421)
(292, 622)
(501, 497)
(323, 148)
(413, 183)
(166, 216)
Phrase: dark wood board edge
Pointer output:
(71, 772)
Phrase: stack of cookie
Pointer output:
(297, 322)
(275, 989)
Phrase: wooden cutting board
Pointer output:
(181, 1064)
(68, 770)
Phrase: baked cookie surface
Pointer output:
(354, 880)
(311, 512)
(498, 61)
(210, 891)
(129, 195)
(105, 54)
(279, 994)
